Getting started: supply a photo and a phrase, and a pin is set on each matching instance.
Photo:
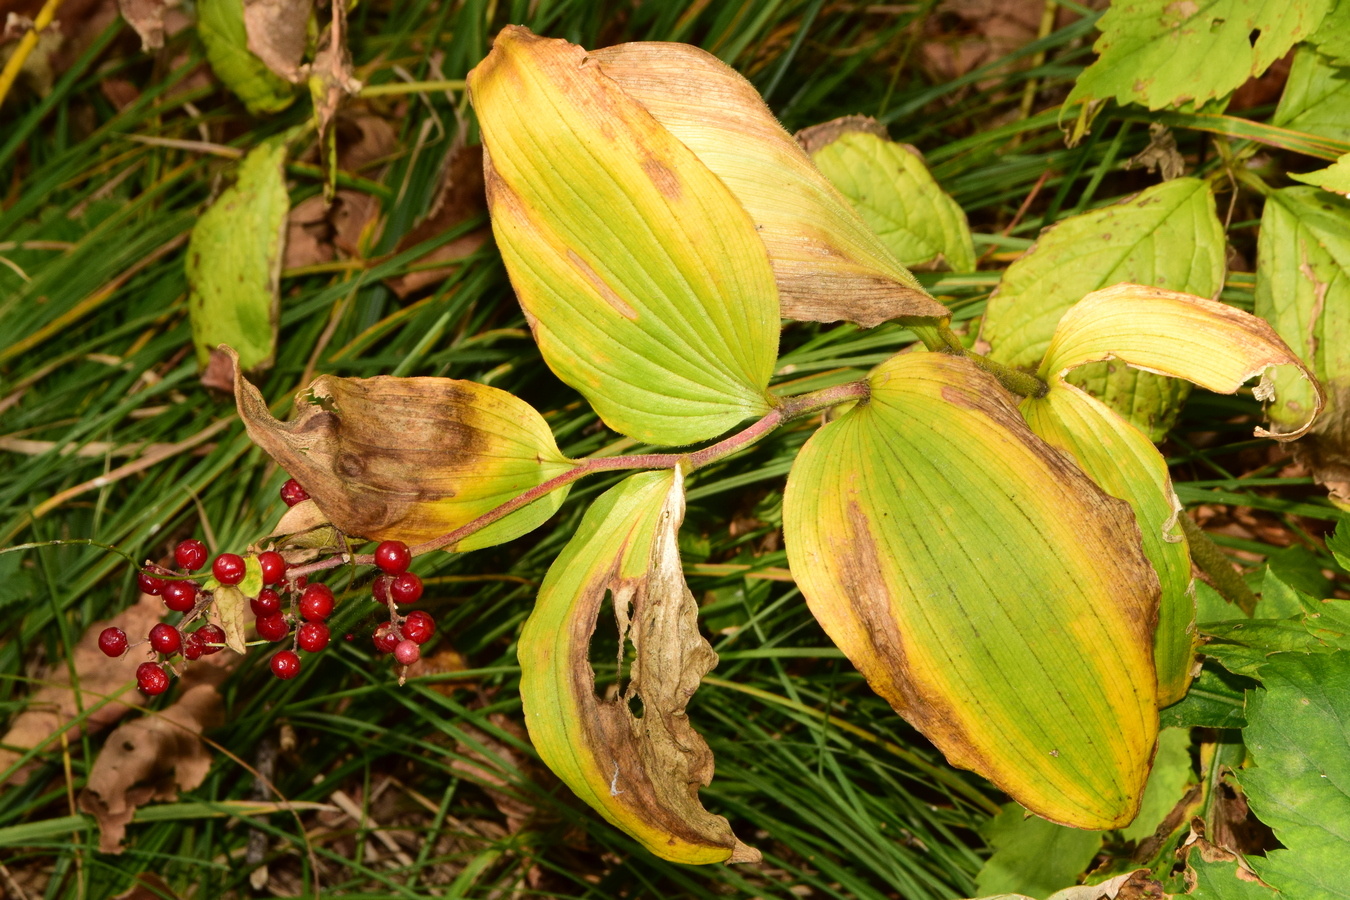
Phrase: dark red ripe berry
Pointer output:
(385, 639)
(266, 603)
(228, 568)
(208, 635)
(381, 588)
(406, 588)
(149, 584)
(151, 679)
(393, 557)
(297, 583)
(316, 603)
(165, 638)
(192, 646)
(286, 664)
(273, 627)
(112, 641)
(190, 554)
(312, 636)
(273, 567)
(180, 595)
(407, 652)
(419, 627)
(292, 493)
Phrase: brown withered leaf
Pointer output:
(148, 886)
(817, 136)
(309, 234)
(150, 759)
(459, 197)
(331, 81)
(493, 771)
(277, 34)
(1326, 450)
(147, 17)
(411, 458)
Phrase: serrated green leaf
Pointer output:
(1168, 236)
(220, 25)
(234, 261)
(1333, 36)
(1338, 542)
(899, 199)
(643, 279)
(1334, 178)
(1031, 856)
(1316, 98)
(976, 578)
(1214, 700)
(1161, 53)
(1298, 736)
(229, 604)
(1246, 645)
(1223, 879)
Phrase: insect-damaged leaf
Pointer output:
(984, 586)
(828, 263)
(642, 772)
(643, 279)
(234, 261)
(411, 458)
(1168, 235)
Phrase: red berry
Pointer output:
(393, 557)
(407, 652)
(151, 679)
(273, 567)
(381, 588)
(273, 627)
(192, 646)
(180, 595)
(165, 638)
(286, 664)
(149, 584)
(112, 641)
(316, 603)
(406, 588)
(228, 568)
(297, 583)
(312, 636)
(209, 635)
(266, 603)
(385, 638)
(419, 627)
(292, 493)
(190, 554)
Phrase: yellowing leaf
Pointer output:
(984, 586)
(828, 263)
(1334, 178)
(1124, 463)
(234, 261)
(1206, 342)
(892, 189)
(642, 773)
(411, 458)
(228, 602)
(644, 280)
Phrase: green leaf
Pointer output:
(1167, 783)
(1334, 178)
(899, 199)
(1298, 736)
(976, 578)
(1223, 879)
(1244, 646)
(1316, 98)
(234, 261)
(253, 577)
(1161, 53)
(1333, 37)
(1168, 236)
(220, 25)
(1338, 542)
(642, 277)
(1031, 856)
(1214, 700)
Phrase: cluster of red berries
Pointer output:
(310, 605)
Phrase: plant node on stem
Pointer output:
(940, 338)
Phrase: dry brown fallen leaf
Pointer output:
(147, 17)
(459, 197)
(150, 759)
(278, 34)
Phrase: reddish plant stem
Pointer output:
(786, 411)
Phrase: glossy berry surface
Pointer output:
(393, 557)
(228, 568)
(419, 627)
(385, 639)
(190, 554)
(192, 646)
(316, 603)
(151, 679)
(273, 567)
(312, 636)
(149, 584)
(165, 638)
(211, 634)
(112, 641)
(406, 588)
(407, 652)
(286, 664)
(180, 596)
(273, 627)
(292, 493)
(266, 603)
